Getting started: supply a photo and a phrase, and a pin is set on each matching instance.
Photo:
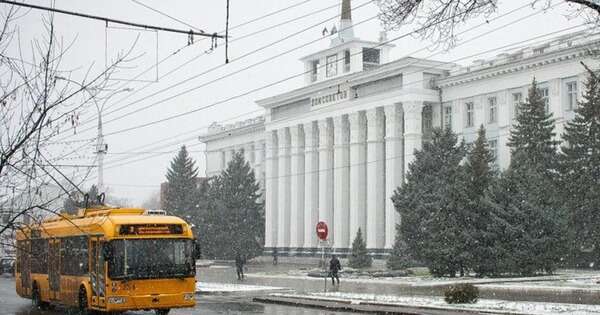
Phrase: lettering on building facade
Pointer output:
(329, 98)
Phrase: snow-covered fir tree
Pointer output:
(580, 168)
(533, 133)
(359, 258)
(481, 172)
(182, 197)
(431, 204)
(528, 221)
(234, 221)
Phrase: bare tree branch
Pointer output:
(427, 15)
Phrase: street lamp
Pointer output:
(101, 146)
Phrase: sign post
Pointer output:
(322, 232)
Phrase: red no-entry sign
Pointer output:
(322, 230)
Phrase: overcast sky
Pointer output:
(92, 42)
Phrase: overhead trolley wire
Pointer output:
(111, 20)
(165, 14)
(447, 62)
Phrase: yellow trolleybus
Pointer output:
(108, 260)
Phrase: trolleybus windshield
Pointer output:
(151, 258)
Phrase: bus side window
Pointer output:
(74, 256)
(39, 255)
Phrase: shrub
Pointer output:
(360, 256)
(461, 293)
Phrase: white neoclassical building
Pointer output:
(337, 148)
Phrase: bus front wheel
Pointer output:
(162, 312)
(83, 302)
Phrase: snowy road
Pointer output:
(11, 304)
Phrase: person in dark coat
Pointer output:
(239, 266)
(334, 267)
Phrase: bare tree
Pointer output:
(34, 109)
(437, 20)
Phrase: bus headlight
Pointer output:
(116, 300)
(188, 297)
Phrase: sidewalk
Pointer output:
(420, 305)
(570, 286)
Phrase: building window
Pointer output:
(544, 93)
(448, 117)
(427, 119)
(370, 58)
(517, 100)
(493, 147)
(314, 69)
(331, 66)
(572, 94)
(346, 60)
(493, 109)
(539, 51)
(470, 107)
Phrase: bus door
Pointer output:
(97, 272)
(54, 268)
(25, 265)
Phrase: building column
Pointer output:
(297, 187)
(341, 183)
(311, 184)
(394, 167)
(326, 173)
(283, 235)
(271, 176)
(259, 160)
(375, 179)
(413, 133)
(358, 173)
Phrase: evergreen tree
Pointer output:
(234, 220)
(480, 175)
(581, 171)
(182, 191)
(360, 256)
(529, 223)
(431, 204)
(533, 133)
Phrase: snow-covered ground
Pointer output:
(500, 306)
(564, 280)
(210, 287)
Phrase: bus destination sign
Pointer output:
(150, 229)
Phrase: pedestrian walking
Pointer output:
(240, 261)
(274, 256)
(334, 268)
